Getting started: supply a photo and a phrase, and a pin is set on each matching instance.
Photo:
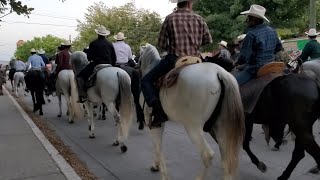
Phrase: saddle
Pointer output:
(251, 91)
(92, 78)
(171, 77)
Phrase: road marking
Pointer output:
(63, 165)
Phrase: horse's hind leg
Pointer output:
(60, 104)
(120, 138)
(196, 134)
(159, 161)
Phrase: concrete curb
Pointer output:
(63, 165)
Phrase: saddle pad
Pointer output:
(170, 78)
(98, 68)
(251, 91)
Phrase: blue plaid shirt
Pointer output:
(259, 46)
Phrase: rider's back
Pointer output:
(100, 51)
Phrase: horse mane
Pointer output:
(149, 58)
(78, 61)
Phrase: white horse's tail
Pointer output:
(127, 109)
(232, 120)
(74, 96)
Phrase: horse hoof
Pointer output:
(124, 148)
(315, 170)
(59, 116)
(104, 117)
(41, 113)
(262, 167)
(115, 143)
(92, 136)
(154, 169)
(275, 149)
(49, 100)
(141, 126)
(71, 122)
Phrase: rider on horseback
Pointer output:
(100, 51)
(123, 50)
(312, 48)
(259, 46)
(182, 33)
(20, 66)
(12, 70)
(36, 62)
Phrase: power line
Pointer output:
(56, 17)
(45, 14)
(42, 24)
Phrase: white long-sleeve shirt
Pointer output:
(123, 52)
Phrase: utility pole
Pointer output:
(312, 14)
(70, 38)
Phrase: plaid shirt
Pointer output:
(183, 32)
(259, 46)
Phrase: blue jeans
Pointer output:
(147, 83)
(246, 75)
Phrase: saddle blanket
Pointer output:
(251, 91)
(92, 78)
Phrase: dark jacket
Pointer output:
(63, 61)
(101, 51)
(44, 58)
(312, 50)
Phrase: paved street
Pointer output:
(183, 161)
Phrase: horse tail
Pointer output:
(75, 106)
(232, 120)
(127, 107)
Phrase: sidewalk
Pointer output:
(22, 155)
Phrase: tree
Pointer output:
(48, 43)
(138, 25)
(225, 21)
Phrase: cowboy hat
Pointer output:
(223, 43)
(66, 43)
(239, 38)
(101, 30)
(312, 32)
(33, 50)
(256, 11)
(41, 51)
(119, 37)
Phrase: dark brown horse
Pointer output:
(292, 99)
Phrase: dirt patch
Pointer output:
(79, 166)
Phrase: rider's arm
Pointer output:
(307, 50)
(130, 53)
(113, 56)
(278, 46)
(163, 36)
(42, 63)
(246, 50)
(206, 38)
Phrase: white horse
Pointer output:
(18, 77)
(65, 85)
(111, 83)
(202, 91)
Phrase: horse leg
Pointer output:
(196, 135)
(69, 112)
(246, 146)
(15, 88)
(60, 104)
(24, 87)
(297, 155)
(40, 101)
(89, 108)
(120, 138)
(35, 108)
(103, 112)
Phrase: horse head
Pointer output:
(149, 57)
(78, 61)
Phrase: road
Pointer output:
(182, 159)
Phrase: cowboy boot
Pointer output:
(158, 114)
(81, 89)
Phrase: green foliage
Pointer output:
(226, 23)
(14, 6)
(48, 43)
(138, 25)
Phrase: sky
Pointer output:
(65, 13)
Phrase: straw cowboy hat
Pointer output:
(41, 51)
(33, 50)
(312, 32)
(119, 37)
(256, 11)
(223, 43)
(101, 30)
(66, 43)
(239, 38)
